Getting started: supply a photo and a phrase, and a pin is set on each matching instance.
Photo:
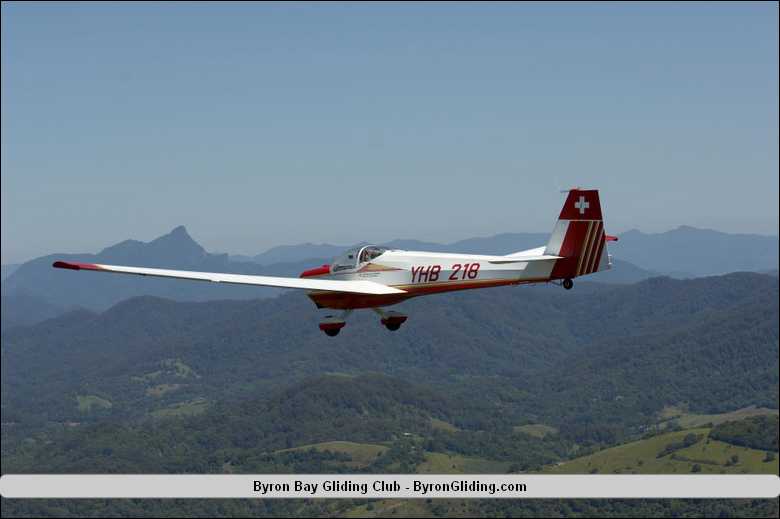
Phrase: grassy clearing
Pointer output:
(440, 463)
(443, 426)
(640, 457)
(86, 403)
(670, 411)
(688, 420)
(188, 408)
(748, 461)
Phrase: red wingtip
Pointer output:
(74, 266)
(611, 238)
(65, 265)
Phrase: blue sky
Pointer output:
(263, 124)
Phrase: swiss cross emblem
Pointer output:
(581, 204)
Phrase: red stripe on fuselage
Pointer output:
(344, 301)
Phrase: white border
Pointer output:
(390, 486)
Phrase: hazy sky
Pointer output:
(263, 124)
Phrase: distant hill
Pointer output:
(293, 253)
(684, 252)
(673, 357)
(698, 252)
(309, 254)
(622, 272)
(498, 244)
(176, 250)
(21, 309)
(504, 243)
(8, 269)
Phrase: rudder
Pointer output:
(579, 236)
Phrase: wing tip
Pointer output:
(74, 266)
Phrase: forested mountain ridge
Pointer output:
(608, 356)
(153, 385)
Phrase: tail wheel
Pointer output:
(568, 283)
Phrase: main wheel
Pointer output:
(332, 332)
(393, 326)
(568, 283)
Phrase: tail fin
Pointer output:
(579, 236)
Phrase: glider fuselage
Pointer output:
(420, 273)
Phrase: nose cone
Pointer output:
(318, 271)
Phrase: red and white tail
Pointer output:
(579, 236)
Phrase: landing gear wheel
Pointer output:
(568, 283)
(392, 320)
(331, 326)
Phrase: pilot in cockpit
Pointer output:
(369, 253)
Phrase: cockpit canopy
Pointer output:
(356, 257)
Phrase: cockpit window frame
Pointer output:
(351, 258)
(375, 251)
(342, 262)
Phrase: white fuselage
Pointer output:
(409, 269)
(419, 273)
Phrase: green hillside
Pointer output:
(517, 380)
(672, 415)
(510, 357)
(642, 457)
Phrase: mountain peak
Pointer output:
(175, 248)
(177, 241)
(179, 232)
